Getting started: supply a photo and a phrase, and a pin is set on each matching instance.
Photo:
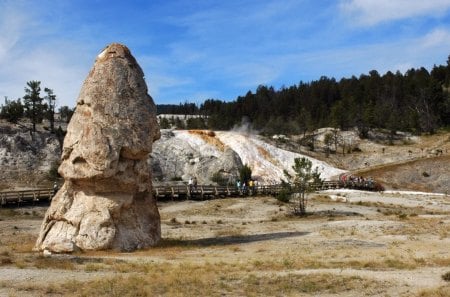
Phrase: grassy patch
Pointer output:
(6, 258)
(435, 292)
(210, 280)
(8, 213)
(422, 226)
(22, 213)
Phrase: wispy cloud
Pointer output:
(372, 12)
(11, 24)
(27, 54)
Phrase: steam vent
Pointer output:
(106, 201)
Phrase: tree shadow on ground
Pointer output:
(228, 240)
(335, 213)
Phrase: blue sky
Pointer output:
(194, 50)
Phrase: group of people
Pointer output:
(356, 181)
(244, 186)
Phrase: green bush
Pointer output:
(12, 111)
(53, 171)
(284, 196)
(245, 173)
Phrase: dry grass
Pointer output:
(422, 226)
(227, 257)
(397, 210)
(6, 258)
(443, 291)
(209, 280)
(8, 213)
(22, 213)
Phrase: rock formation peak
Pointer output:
(106, 200)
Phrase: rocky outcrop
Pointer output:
(26, 158)
(106, 201)
(181, 155)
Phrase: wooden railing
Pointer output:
(204, 191)
(25, 196)
(174, 192)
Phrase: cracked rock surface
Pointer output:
(106, 201)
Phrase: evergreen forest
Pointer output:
(417, 101)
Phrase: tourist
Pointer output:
(191, 184)
(194, 181)
(55, 188)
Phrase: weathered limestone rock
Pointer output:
(106, 201)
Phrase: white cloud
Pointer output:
(27, 54)
(372, 12)
(436, 38)
(59, 66)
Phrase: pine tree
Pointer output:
(33, 102)
(303, 182)
(51, 99)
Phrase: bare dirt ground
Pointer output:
(351, 244)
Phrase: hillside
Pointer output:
(427, 174)
(185, 153)
(409, 163)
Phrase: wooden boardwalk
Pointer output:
(25, 196)
(172, 192)
(210, 191)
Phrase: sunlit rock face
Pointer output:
(106, 201)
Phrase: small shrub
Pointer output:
(357, 149)
(5, 258)
(402, 216)
(446, 276)
(284, 196)
(53, 171)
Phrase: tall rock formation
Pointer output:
(106, 201)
